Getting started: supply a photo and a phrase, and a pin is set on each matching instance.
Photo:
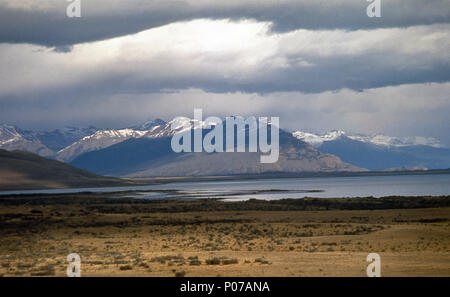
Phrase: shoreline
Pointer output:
(289, 175)
(154, 181)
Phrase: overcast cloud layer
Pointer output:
(44, 21)
(319, 65)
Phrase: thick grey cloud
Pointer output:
(245, 57)
(408, 110)
(319, 65)
(45, 22)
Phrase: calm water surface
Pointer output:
(360, 186)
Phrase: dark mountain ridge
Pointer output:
(146, 157)
(24, 170)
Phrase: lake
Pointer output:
(278, 188)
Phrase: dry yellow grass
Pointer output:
(37, 239)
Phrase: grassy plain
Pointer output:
(292, 237)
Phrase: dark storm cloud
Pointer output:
(192, 56)
(319, 65)
(390, 110)
(102, 19)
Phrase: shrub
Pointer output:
(230, 261)
(261, 260)
(126, 267)
(195, 262)
(213, 261)
(44, 271)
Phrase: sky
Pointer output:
(319, 65)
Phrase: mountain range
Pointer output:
(44, 143)
(152, 155)
(144, 150)
(381, 152)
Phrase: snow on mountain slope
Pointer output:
(397, 141)
(68, 143)
(180, 124)
(8, 134)
(378, 139)
(381, 152)
(11, 139)
(59, 138)
(105, 138)
(153, 156)
(317, 140)
(98, 140)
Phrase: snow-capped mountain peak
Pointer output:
(8, 134)
(317, 140)
(384, 140)
(377, 139)
(11, 138)
(122, 133)
(98, 140)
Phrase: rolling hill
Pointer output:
(23, 170)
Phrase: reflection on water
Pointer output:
(226, 196)
(269, 189)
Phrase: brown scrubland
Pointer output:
(292, 237)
